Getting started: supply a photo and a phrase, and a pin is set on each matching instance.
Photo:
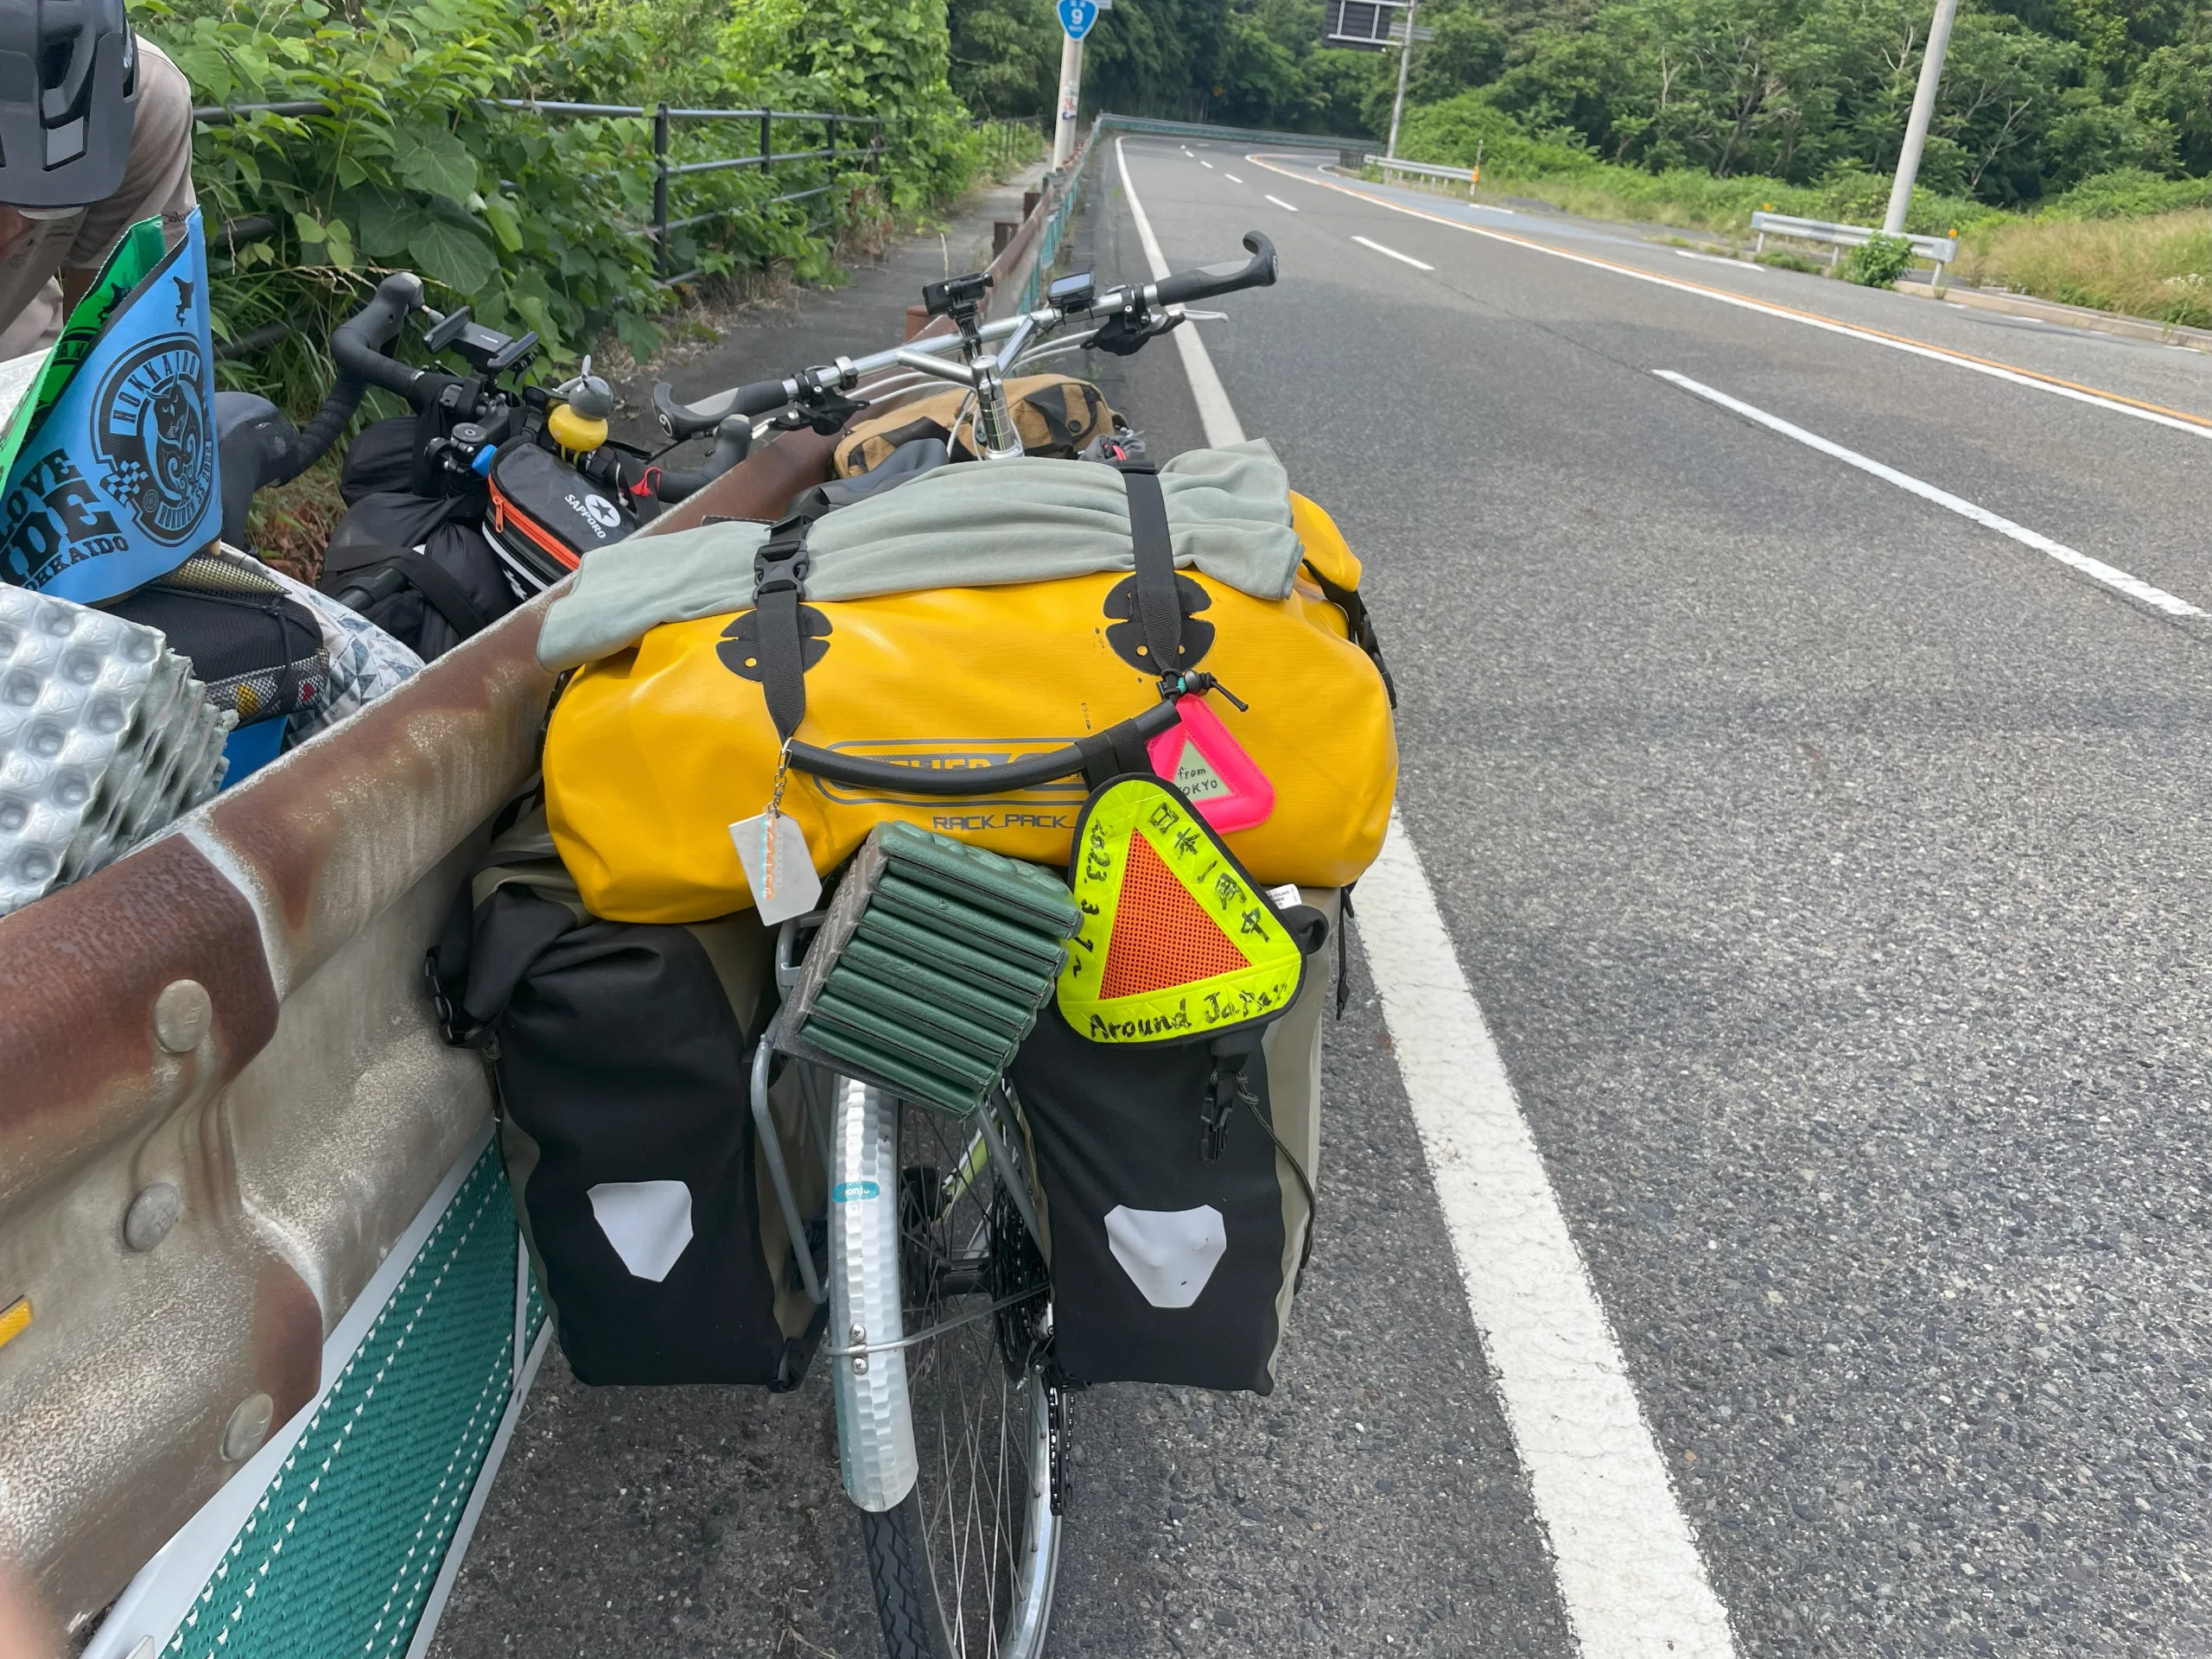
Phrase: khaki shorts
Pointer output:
(157, 180)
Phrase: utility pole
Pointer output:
(1076, 18)
(1405, 63)
(1924, 111)
(1070, 99)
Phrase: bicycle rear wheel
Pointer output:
(963, 1568)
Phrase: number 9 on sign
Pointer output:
(1076, 17)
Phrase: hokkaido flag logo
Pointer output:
(1176, 941)
(111, 461)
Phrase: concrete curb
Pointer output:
(2079, 316)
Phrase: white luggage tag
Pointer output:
(778, 866)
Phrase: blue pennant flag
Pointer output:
(116, 485)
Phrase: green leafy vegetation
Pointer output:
(536, 220)
(1878, 261)
(2071, 148)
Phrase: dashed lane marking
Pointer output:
(1280, 203)
(2117, 402)
(1215, 414)
(1402, 259)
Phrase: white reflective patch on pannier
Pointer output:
(648, 1223)
(1168, 1254)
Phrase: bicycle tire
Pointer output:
(964, 1565)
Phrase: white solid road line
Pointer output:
(1215, 414)
(1280, 203)
(2157, 598)
(2057, 388)
(1402, 259)
(1628, 1571)
(1627, 1564)
(1715, 259)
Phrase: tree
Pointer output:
(1006, 56)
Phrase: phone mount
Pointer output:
(486, 350)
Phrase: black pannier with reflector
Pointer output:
(620, 1054)
(1172, 1095)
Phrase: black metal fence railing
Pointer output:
(867, 155)
(1008, 143)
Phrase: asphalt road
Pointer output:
(1827, 867)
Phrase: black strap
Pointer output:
(439, 585)
(1118, 751)
(1229, 1087)
(1358, 622)
(1160, 607)
(1344, 959)
(778, 584)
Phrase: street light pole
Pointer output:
(1405, 63)
(1924, 111)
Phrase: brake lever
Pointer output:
(825, 412)
(1125, 334)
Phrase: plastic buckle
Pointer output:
(781, 565)
(441, 1005)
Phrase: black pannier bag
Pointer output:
(1178, 1173)
(620, 1054)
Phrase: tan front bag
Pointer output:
(1056, 415)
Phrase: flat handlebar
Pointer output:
(765, 396)
(1209, 281)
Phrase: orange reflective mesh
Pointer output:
(1161, 938)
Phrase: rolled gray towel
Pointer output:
(978, 525)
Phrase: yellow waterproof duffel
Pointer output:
(655, 751)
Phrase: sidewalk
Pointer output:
(866, 314)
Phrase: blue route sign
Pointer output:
(1076, 17)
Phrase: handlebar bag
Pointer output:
(619, 1058)
(1056, 413)
(546, 516)
(1174, 1253)
(455, 587)
(659, 744)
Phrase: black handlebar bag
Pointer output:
(546, 515)
(619, 1052)
(1175, 1120)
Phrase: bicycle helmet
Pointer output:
(68, 96)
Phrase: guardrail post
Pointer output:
(831, 144)
(764, 150)
(660, 192)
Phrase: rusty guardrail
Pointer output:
(223, 1095)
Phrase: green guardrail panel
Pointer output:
(341, 1552)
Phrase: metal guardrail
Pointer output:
(235, 1013)
(868, 155)
(1941, 249)
(1386, 165)
(1145, 124)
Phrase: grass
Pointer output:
(291, 524)
(1687, 199)
(2155, 267)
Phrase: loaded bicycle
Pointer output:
(1030, 1052)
